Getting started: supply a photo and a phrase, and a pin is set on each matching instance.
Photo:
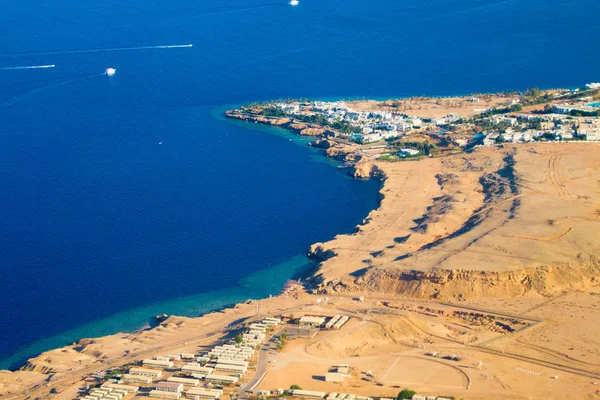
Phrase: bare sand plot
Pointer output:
(421, 372)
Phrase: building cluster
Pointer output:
(336, 322)
(337, 373)
(525, 128)
(190, 375)
(368, 126)
(567, 122)
(110, 391)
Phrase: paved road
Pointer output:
(262, 360)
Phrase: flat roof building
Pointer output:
(161, 394)
(127, 388)
(332, 321)
(158, 363)
(184, 381)
(231, 368)
(308, 393)
(313, 322)
(272, 321)
(340, 322)
(204, 393)
(196, 369)
(137, 379)
(221, 378)
(170, 386)
(155, 373)
(232, 362)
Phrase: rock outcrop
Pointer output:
(463, 284)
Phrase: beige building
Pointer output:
(161, 394)
(154, 373)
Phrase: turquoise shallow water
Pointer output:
(126, 193)
(259, 285)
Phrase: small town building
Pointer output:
(221, 378)
(311, 322)
(332, 321)
(157, 363)
(184, 381)
(170, 386)
(195, 369)
(228, 361)
(340, 322)
(161, 394)
(126, 388)
(137, 379)
(308, 393)
(202, 393)
(154, 373)
(231, 368)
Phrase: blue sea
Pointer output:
(127, 196)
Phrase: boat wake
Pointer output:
(27, 67)
(85, 51)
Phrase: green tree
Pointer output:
(295, 387)
(515, 108)
(406, 394)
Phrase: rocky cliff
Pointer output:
(462, 284)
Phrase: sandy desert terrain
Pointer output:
(494, 222)
(489, 256)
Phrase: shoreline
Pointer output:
(330, 273)
(317, 259)
(116, 323)
(16, 360)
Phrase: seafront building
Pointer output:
(564, 121)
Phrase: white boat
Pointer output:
(294, 2)
(110, 71)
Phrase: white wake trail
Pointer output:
(106, 50)
(28, 67)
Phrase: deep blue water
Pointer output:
(101, 226)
